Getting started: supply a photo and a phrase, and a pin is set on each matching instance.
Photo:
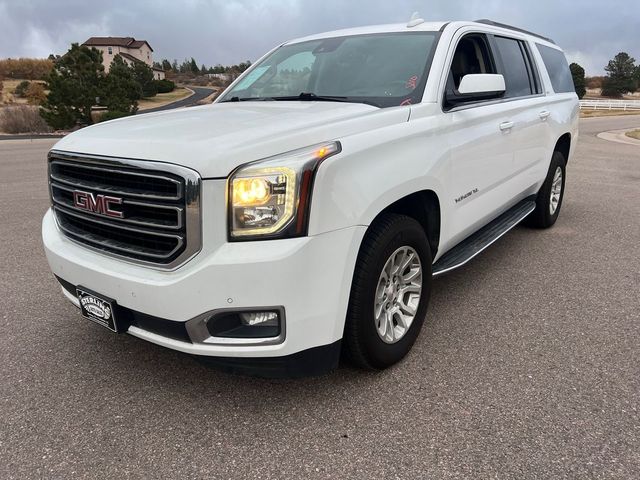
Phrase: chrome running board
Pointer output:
(477, 242)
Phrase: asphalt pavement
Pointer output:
(199, 93)
(528, 365)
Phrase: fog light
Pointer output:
(262, 319)
(247, 324)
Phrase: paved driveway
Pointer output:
(199, 93)
(528, 365)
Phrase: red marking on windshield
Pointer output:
(412, 83)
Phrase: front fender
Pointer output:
(375, 169)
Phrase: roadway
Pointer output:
(527, 366)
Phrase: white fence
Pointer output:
(609, 104)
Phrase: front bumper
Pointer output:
(310, 277)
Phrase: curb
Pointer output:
(619, 136)
(27, 136)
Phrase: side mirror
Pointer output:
(476, 87)
(481, 84)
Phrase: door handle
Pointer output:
(504, 126)
(544, 114)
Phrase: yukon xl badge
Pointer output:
(466, 195)
(100, 204)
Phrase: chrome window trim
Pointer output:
(485, 103)
(192, 201)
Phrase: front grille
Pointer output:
(146, 212)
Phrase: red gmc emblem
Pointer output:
(100, 204)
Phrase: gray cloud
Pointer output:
(219, 31)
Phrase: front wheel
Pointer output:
(390, 292)
(550, 196)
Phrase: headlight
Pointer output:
(270, 198)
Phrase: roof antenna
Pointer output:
(415, 20)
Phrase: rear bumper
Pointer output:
(309, 277)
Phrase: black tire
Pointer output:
(363, 345)
(542, 217)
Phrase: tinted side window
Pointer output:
(558, 68)
(516, 75)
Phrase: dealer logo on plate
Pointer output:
(96, 307)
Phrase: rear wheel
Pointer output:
(390, 292)
(550, 196)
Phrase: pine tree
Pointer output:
(144, 76)
(74, 84)
(577, 72)
(620, 76)
(121, 89)
(193, 66)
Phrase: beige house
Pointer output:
(130, 49)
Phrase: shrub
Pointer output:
(113, 115)
(594, 82)
(30, 68)
(35, 93)
(165, 86)
(21, 89)
(22, 119)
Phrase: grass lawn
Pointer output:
(606, 113)
(634, 134)
(163, 98)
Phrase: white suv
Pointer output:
(306, 211)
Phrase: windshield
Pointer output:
(382, 69)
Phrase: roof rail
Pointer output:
(510, 27)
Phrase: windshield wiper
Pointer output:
(312, 97)
(247, 99)
(304, 97)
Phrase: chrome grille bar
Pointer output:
(155, 219)
(176, 212)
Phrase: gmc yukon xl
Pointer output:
(306, 211)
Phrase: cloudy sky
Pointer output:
(231, 31)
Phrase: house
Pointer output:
(130, 49)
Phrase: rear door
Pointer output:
(525, 105)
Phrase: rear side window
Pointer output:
(558, 68)
(515, 66)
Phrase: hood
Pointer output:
(215, 139)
